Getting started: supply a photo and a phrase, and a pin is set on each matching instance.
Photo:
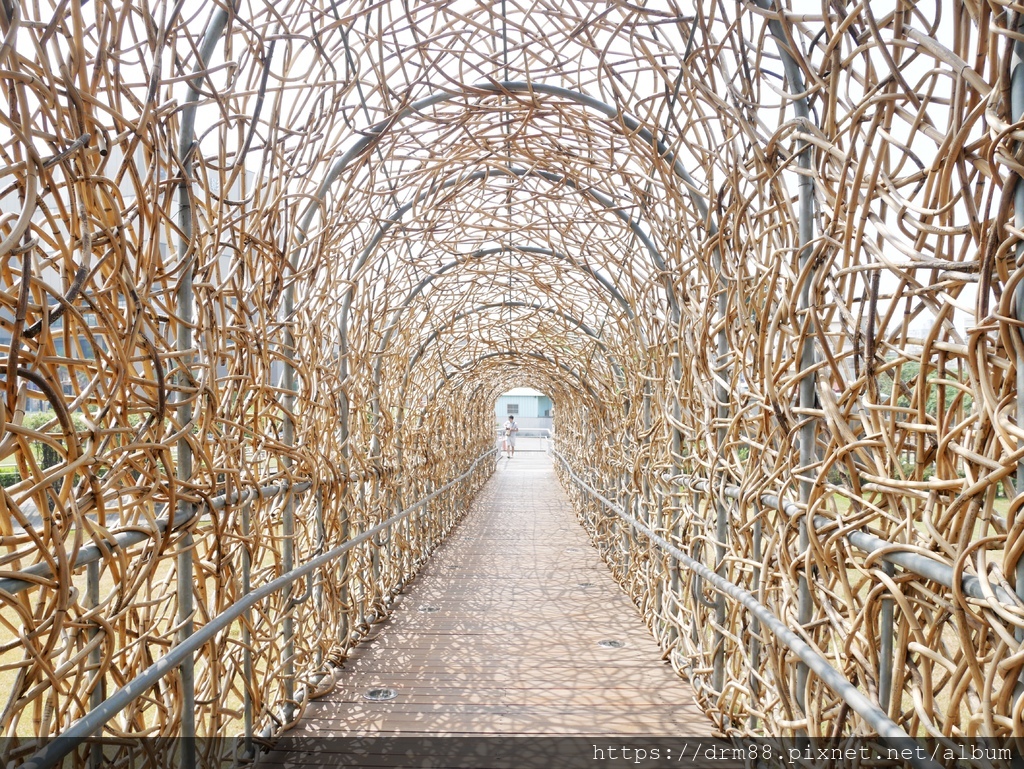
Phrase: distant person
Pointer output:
(511, 428)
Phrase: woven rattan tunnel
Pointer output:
(265, 268)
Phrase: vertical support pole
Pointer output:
(1017, 112)
(722, 396)
(288, 514)
(624, 531)
(651, 513)
(185, 297)
(377, 550)
(98, 694)
(672, 603)
(360, 600)
(695, 579)
(675, 509)
(288, 623)
(188, 675)
(721, 538)
(184, 470)
(807, 396)
(344, 622)
(376, 547)
(318, 590)
(247, 714)
(885, 660)
(805, 234)
(755, 624)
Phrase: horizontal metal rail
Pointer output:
(95, 719)
(835, 680)
(917, 563)
(128, 537)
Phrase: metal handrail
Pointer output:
(128, 537)
(94, 720)
(916, 563)
(858, 702)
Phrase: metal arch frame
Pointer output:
(608, 285)
(185, 296)
(605, 283)
(699, 199)
(616, 369)
(632, 126)
(513, 171)
(445, 379)
(389, 331)
(397, 216)
(436, 333)
(468, 364)
(448, 266)
(805, 234)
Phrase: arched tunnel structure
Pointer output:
(265, 268)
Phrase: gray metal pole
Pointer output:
(721, 509)
(247, 672)
(805, 234)
(288, 623)
(185, 299)
(345, 610)
(288, 514)
(318, 589)
(92, 587)
(885, 645)
(755, 623)
(188, 676)
(1017, 112)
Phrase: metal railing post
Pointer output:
(288, 514)
(318, 589)
(247, 672)
(805, 234)
(695, 581)
(184, 475)
(1017, 112)
(755, 624)
(885, 645)
(724, 400)
(92, 587)
(345, 610)
(185, 510)
(288, 623)
(188, 675)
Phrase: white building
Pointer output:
(530, 407)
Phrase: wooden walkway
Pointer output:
(501, 634)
